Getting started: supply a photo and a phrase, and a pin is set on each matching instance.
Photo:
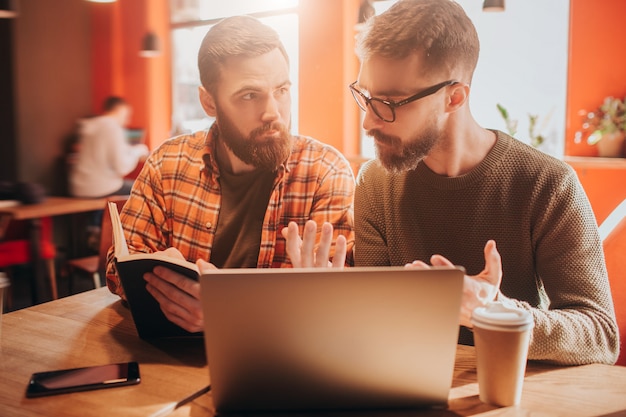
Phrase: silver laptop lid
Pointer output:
(309, 339)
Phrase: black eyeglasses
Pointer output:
(385, 109)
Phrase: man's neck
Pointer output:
(463, 148)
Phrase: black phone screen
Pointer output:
(83, 379)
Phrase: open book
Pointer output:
(149, 320)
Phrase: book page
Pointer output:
(119, 241)
(122, 253)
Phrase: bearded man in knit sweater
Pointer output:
(446, 191)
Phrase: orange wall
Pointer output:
(158, 99)
(597, 62)
(117, 68)
(327, 66)
(103, 50)
(603, 181)
(597, 68)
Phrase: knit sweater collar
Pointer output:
(492, 160)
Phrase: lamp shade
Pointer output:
(8, 9)
(150, 46)
(493, 6)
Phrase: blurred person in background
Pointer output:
(104, 156)
(102, 159)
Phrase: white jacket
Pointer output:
(104, 158)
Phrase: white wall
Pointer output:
(522, 66)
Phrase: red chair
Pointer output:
(15, 249)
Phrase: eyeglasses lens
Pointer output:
(382, 110)
(360, 100)
(379, 108)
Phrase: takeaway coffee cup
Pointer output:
(501, 336)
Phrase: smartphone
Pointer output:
(83, 379)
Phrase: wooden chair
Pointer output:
(15, 249)
(613, 233)
(96, 264)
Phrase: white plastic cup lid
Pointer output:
(499, 316)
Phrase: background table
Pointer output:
(94, 328)
(50, 207)
(53, 206)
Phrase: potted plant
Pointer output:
(536, 139)
(605, 127)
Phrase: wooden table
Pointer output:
(93, 328)
(51, 206)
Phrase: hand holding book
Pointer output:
(149, 318)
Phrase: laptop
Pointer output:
(331, 339)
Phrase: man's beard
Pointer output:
(264, 153)
(397, 157)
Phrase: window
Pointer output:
(191, 19)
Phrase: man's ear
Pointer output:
(459, 96)
(207, 102)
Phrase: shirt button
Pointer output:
(209, 225)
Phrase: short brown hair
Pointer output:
(439, 30)
(112, 102)
(231, 37)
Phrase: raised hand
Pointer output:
(477, 289)
(303, 252)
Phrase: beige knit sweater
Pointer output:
(535, 209)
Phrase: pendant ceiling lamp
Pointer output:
(8, 9)
(150, 46)
(493, 6)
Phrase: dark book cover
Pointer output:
(150, 321)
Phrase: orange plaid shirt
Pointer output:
(176, 200)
